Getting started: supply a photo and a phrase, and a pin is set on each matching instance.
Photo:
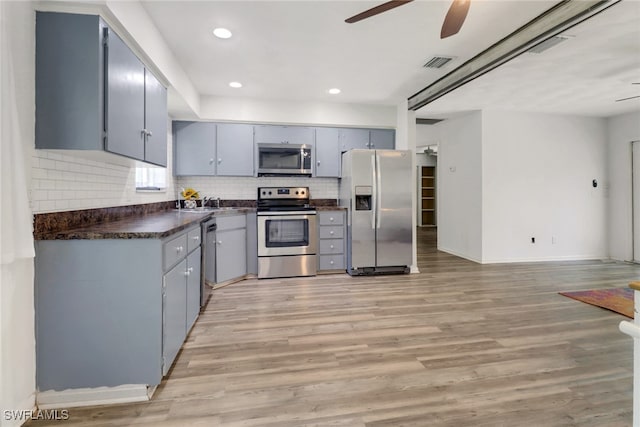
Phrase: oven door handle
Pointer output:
(287, 217)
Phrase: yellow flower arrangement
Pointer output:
(189, 194)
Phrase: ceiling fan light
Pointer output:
(334, 91)
(222, 33)
(235, 85)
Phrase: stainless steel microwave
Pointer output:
(284, 159)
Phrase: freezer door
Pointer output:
(393, 219)
(363, 233)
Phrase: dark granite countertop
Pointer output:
(155, 225)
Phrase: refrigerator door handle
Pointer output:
(374, 193)
(378, 191)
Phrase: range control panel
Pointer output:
(283, 193)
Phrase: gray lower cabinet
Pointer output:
(231, 247)
(93, 93)
(110, 311)
(331, 234)
(327, 153)
(209, 149)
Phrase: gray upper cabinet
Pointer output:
(125, 99)
(367, 139)
(91, 92)
(354, 139)
(271, 134)
(195, 148)
(382, 139)
(234, 148)
(156, 116)
(328, 153)
(208, 149)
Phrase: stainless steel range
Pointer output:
(287, 233)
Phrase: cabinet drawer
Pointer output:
(331, 262)
(174, 250)
(193, 239)
(229, 222)
(331, 218)
(331, 232)
(331, 246)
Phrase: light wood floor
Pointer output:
(459, 344)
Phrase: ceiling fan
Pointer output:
(452, 22)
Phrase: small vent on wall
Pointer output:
(427, 121)
(438, 61)
(548, 44)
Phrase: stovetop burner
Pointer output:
(282, 199)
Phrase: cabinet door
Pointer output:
(193, 287)
(195, 148)
(155, 107)
(283, 134)
(354, 138)
(231, 254)
(328, 153)
(234, 144)
(174, 306)
(124, 100)
(383, 139)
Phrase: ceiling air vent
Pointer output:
(547, 44)
(438, 61)
(420, 121)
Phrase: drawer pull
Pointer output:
(332, 246)
(179, 249)
(187, 273)
(196, 238)
(331, 219)
(331, 262)
(331, 232)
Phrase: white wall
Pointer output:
(459, 186)
(289, 112)
(17, 338)
(621, 130)
(537, 182)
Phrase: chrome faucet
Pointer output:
(218, 202)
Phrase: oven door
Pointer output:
(287, 233)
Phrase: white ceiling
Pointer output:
(296, 50)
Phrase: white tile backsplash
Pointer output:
(246, 188)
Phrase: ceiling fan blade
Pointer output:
(455, 18)
(625, 99)
(376, 10)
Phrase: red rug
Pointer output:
(619, 300)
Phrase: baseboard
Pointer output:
(414, 270)
(452, 252)
(544, 259)
(72, 398)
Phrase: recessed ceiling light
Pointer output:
(334, 91)
(235, 84)
(222, 33)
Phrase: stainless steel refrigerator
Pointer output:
(376, 189)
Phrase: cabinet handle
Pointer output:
(196, 238)
(143, 132)
(190, 270)
(187, 273)
(219, 242)
(331, 219)
(318, 162)
(331, 262)
(331, 232)
(179, 249)
(331, 246)
(219, 161)
(210, 161)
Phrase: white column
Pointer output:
(406, 140)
